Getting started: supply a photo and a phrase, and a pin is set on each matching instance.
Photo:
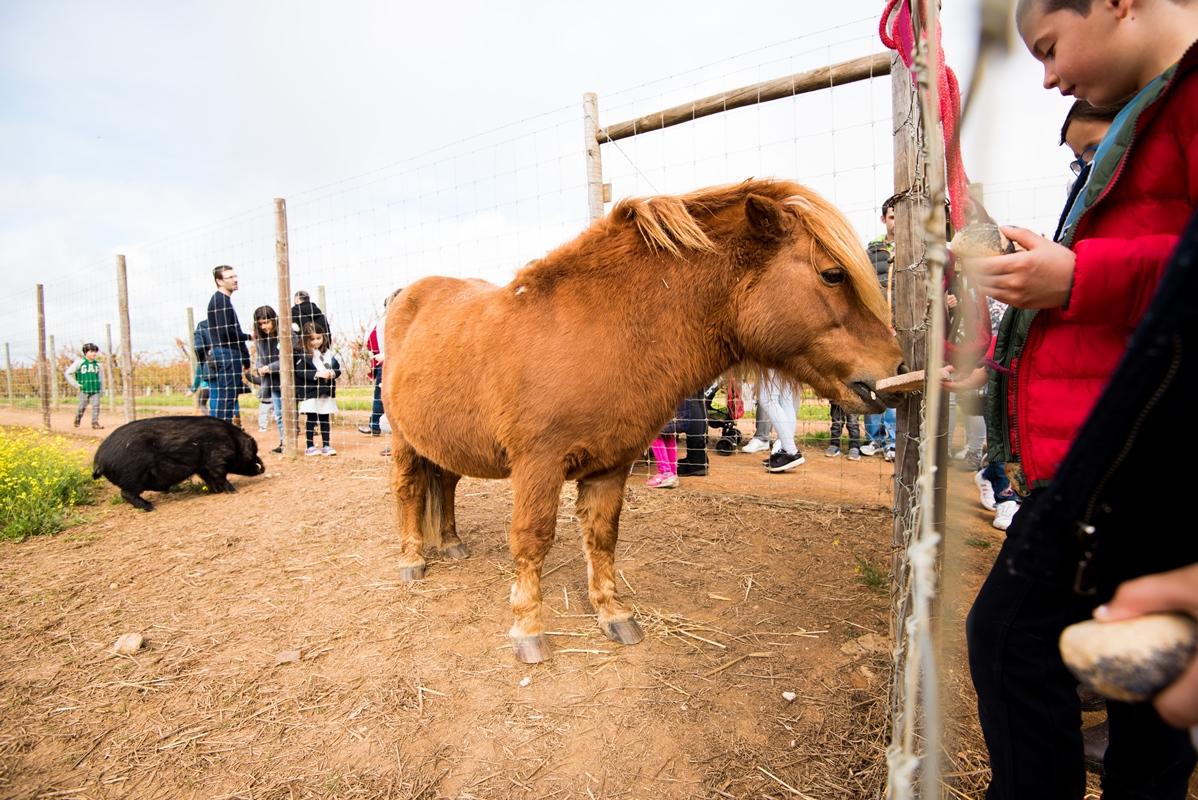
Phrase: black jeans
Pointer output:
(376, 409)
(1028, 704)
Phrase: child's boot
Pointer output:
(694, 463)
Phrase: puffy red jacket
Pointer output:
(1122, 243)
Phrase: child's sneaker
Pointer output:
(832, 452)
(782, 461)
(854, 454)
(1004, 514)
(327, 451)
(311, 451)
(870, 449)
(278, 449)
(97, 426)
(76, 422)
(755, 445)
(985, 490)
(889, 454)
(662, 481)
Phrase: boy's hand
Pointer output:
(1040, 276)
(1167, 591)
(974, 380)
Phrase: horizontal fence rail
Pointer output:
(858, 69)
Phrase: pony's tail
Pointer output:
(430, 523)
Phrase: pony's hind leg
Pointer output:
(409, 482)
(452, 545)
(534, 521)
(600, 499)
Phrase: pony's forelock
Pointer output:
(834, 234)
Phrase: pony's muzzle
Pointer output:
(872, 399)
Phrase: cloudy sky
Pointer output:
(410, 139)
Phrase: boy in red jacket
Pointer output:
(1075, 304)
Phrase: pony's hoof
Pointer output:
(455, 551)
(624, 631)
(410, 574)
(530, 649)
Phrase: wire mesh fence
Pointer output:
(480, 206)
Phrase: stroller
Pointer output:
(725, 406)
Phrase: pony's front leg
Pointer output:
(600, 499)
(409, 481)
(534, 521)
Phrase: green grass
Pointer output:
(871, 576)
(42, 480)
(980, 544)
(350, 398)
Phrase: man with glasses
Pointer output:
(229, 355)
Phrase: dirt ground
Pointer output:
(284, 659)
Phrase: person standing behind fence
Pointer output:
(266, 366)
(316, 373)
(374, 345)
(84, 374)
(229, 355)
(305, 311)
(852, 428)
(202, 346)
(880, 427)
(761, 427)
(780, 406)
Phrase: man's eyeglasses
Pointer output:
(1084, 158)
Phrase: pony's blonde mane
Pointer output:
(665, 222)
(671, 223)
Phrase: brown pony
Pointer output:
(569, 371)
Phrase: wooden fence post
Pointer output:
(122, 293)
(918, 501)
(286, 356)
(191, 345)
(8, 373)
(590, 134)
(53, 374)
(108, 359)
(43, 367)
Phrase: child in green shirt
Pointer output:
(84, 374)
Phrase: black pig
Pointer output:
(157, 453)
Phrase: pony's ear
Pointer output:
(767, 217)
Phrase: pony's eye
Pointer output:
(833, 277)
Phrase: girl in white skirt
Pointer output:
(316, 373)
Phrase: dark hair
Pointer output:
(1081, 7)
(312, 329)
(301, 296)
(219, 272)
(888, 203)
(1081, 111)
(262, 313)
(90, 347)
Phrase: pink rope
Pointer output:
(898, 34)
